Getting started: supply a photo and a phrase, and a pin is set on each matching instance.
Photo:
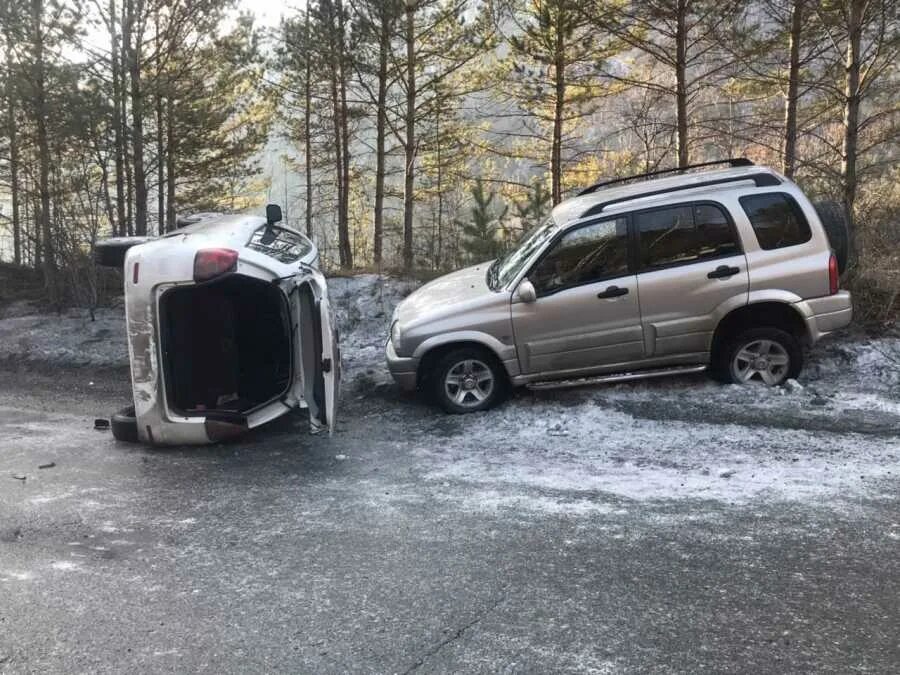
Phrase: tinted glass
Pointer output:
(591, 253)
(282, 245)
(684, 234)
(715, 235)
(777, 220)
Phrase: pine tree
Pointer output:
(482, 231)
(532, 210)
(555, 74)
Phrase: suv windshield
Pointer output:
(503, 270)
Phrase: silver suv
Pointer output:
(729, 270)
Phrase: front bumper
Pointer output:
(403, 369)
(828, 314)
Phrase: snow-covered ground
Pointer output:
(834, 434)
(363, 305)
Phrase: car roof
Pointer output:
(574, 208)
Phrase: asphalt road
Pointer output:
(285, 552)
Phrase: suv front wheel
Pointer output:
(768, 355)
(467, 380)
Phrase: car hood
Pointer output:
(451, 290)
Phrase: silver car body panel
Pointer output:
(168, 262)
(668, 317)
(572, 329)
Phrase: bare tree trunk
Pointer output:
(681, 96)
(115, 66)
(346, 251)
(103, 163)
(13, 160)
(133, 46)
(338, 140)
(36, 224)
(851, 103)
(559, 67)
(440, 190)
(307, 131)
(789, 159)
(160, 136)
(384, 44)
(410, 141)
(170, 165)
(38, 81)
(160, 167)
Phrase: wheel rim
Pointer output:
(469, 383)
(765, 360)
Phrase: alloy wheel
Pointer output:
(765, 360)
(469, 382)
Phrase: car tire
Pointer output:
(124, 425)
(779, 354)
(836, 224)
(468, 380)
(111, 252)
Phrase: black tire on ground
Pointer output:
(111, 252)
(837, 226)
(124, 425)
(724, 367)
(483, 382)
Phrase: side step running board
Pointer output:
(615, 377)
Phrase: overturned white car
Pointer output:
(229, 327)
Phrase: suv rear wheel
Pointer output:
(468, 380)
(768, 355)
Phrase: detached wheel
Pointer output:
(767, 355)
(468, 380)
(124, 425)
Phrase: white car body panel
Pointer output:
(154, 267)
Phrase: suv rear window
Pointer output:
(282, 245)
(685, 234)
(777, 220)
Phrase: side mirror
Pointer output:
(273, 213)
(526, 291)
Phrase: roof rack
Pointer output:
(733, 162)
(760, 179)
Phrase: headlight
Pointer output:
(395, 335)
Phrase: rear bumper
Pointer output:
(403, 369)
(827, 314)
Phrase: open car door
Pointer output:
(318, 377)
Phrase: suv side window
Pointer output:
(684, 234)
(590, 253)
(777, 220)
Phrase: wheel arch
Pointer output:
(431, 354)
(776, 313)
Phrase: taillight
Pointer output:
(213, 262)
(834, 277)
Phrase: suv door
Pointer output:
(586, 314)
(317, 376)
(691, 268)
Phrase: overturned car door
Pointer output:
(317, 379)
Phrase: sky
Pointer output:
(269, 12)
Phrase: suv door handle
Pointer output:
(723, 272)
(612, 292)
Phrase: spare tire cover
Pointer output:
(837, 226)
